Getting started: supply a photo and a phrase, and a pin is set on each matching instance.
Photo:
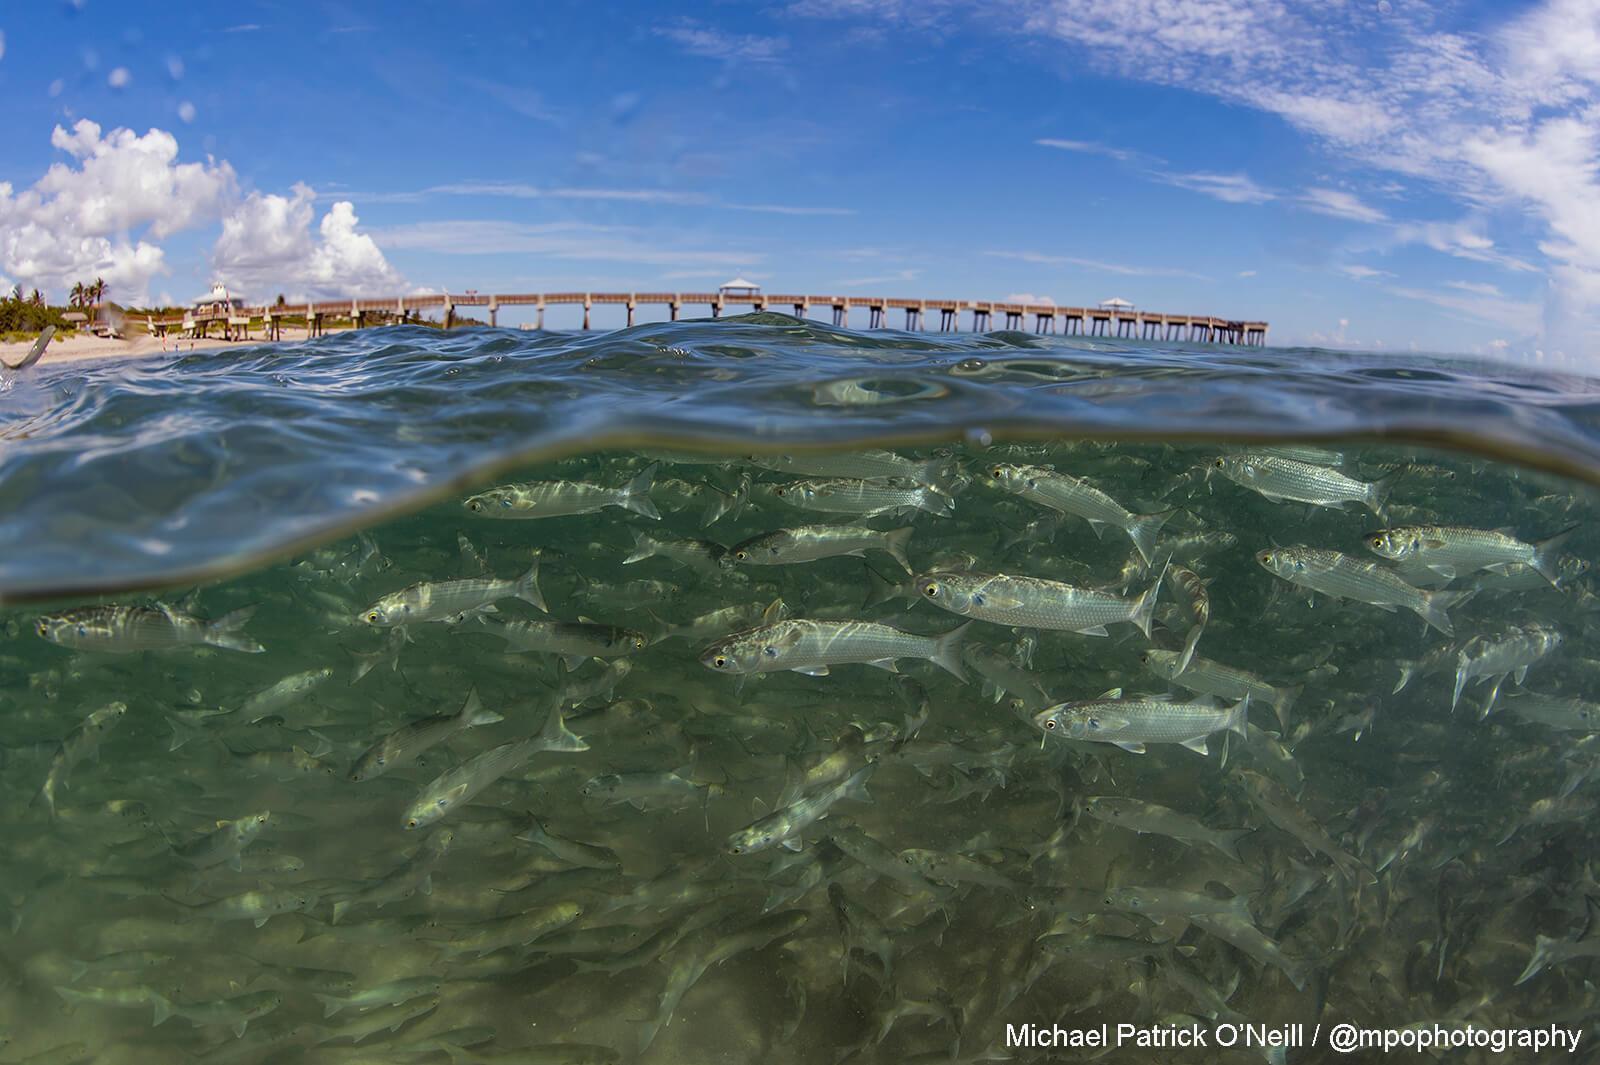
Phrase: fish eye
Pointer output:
(412, 823)
(737, 849)
(998, 471)
(931, 591)
(1219, 463)
(374, 617)
(779, 491)
(720, 661)
(44, 627)
(1049, 722)
(741, 555)
(474, 505)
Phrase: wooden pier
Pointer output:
(986, 315)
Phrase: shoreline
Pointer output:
(88, 346)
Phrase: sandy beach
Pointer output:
(89, 346)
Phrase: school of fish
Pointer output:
(827, 756)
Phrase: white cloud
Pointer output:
(1477, 288)
(1338, 204)
(102, 216)
(1522, 317)
(120, 78)
(898, 277)
(186, 111)
(1498, 115)
(1229, 188)
(1096, 265)
(1247, 273)
(267, 243)
(713, 43)
(1362, 273)
(1087, 147)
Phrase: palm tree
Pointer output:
(16, 293)
(76, 297)
(37, 298)
(99, 290)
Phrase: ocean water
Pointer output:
(411, 696)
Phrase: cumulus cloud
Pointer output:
(267, 243)
(101, 214)
(105, 211)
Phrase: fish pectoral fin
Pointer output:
(573, 662)
(260, 921)
(236, 864)
(792, 843)
(885, 663)
(426, 887)
(811, 671)
(1092, 630)
(238, 1029)
(1197, 745)
(1131, 746)
(1443, 569)
(1110, 693)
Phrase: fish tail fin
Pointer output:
(162, 1007)
(339, 910)
(895, 542)
(1285, 702)
(1541, 957)
(1144, 608)
(473, 714)
(1461, 682)
(644, 546)
(182, 732)
(555, 736)
(1188, 647)
(1408, 672)
(1436, 604)
(330, 1005)
(636, 497)
(1144, 530)
(1378, 491)
(936, 500)
(856, 786)
(527, 588)
(947, 652)
(1227, 842)
(879, 589)
(224, 631)
(1238, 720)
(1547, 555)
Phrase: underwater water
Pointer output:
(751, 690)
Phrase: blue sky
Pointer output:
(1380, 174)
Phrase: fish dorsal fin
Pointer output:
(1110, 693)
(773, 613)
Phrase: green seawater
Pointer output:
(1470, 833)
(195, 836)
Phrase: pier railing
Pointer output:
(986, 315)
